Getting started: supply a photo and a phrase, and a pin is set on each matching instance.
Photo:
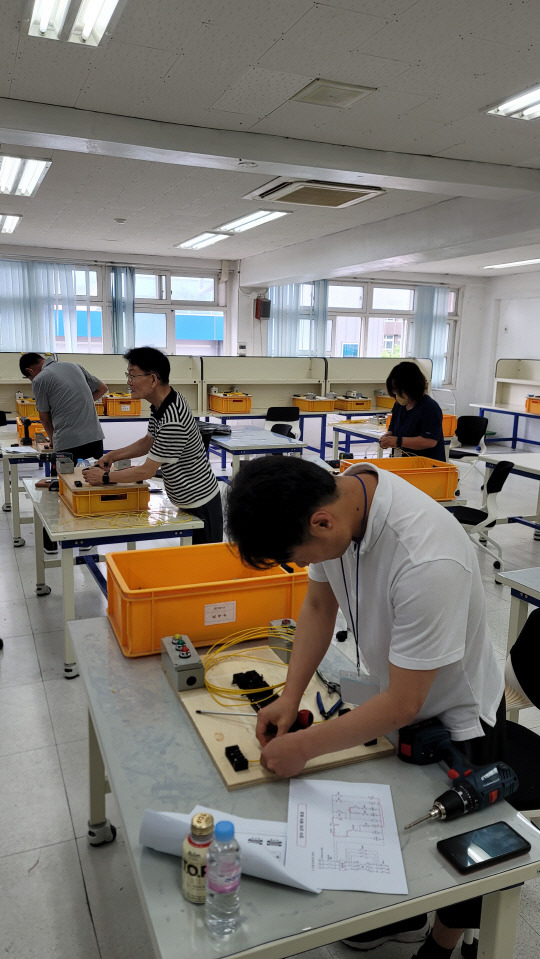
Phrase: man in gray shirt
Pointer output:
(65, 395)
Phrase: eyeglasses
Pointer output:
(134, 376)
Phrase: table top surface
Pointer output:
(359, 429)
(254, 438)
(62, 524)
(503, 408)
(156, 760)
(527, 580)
(525, 462)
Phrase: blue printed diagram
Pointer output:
(357, 828)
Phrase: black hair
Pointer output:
(269, 505)
(150, 360)
(407, 378)
(27, 360)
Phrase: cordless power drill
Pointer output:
(474, 787)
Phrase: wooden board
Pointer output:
(217, 732)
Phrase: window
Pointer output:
(198, 289)
(89, 330)
(346, 297)
(387, 336)
(151, 329)
(198, 333)
(148, 286)
(390, 298)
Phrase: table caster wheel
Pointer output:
(42, 589)
(71, 670)
(6, 508)
(19, 541)
(1, 643)
(101, 834)
(496, 564)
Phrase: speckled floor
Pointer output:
(61, 898)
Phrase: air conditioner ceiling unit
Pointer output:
(315, 193)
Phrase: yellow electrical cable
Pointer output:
(224, 650)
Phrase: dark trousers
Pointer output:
(212, 516)
(94, 449)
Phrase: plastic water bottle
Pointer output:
(223, 875)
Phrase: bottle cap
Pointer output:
(224, 830)
(202, 824)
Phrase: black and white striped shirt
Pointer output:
(178, 446)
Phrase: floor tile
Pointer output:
(14, 619)
(74, 764)
(67, 707)
(19, 662)
(25, 723)
(33, 804)
(50, 652)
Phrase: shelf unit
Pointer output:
(514, 379)
(271, 381)
(366, 373)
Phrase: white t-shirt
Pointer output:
(413, 596)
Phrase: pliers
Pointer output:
(327, 713)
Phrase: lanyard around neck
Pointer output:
(354, 622)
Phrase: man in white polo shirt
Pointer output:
(406, 577)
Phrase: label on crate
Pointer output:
(219, 613)
(125, 407)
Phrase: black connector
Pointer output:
(236, 758)
(253, 680)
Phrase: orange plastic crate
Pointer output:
(439, 480)
(344, 403)
(204, 591)
(34, 428)
(449, 423)
(385, 401)
(27, 407)
(229, 402)
(100, 408)
(319, 405)
(532, 404)
(121, 404)
(93, 500)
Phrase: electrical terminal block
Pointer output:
(254, 688)
(281, 637)
(236, 758)
(181, 663)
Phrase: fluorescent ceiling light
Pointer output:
(77, 21)
(199, 242)
(252, 220)
(21, 177)
(523, 106)
(9, 222)
(506, 266)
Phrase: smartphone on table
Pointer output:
(482, 847)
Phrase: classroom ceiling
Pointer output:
(160, 132)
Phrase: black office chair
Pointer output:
(522, 684)
(477, 522)
(468, 442)
(208, 430)
(283, 416)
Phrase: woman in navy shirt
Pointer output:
(416, 423)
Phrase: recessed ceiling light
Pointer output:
(21, 177)
(329, 93)
(252, 220)
(506, 266)
(9, 222)
(522, 106)
(199, 242)
(77, 21)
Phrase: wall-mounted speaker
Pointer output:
(262, 308)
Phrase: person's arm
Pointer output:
(133, 474)
(46, 422)
(397, 706)
(410, 442)
(312, 636)
(99, 391)
(138, 448)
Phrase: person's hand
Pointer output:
(285, 755)
(275, 720)
(93, 475)
(387, 441)
(104, 462)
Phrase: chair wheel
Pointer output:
(457, 493)
(496, 564)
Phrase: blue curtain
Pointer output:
(430, 328)
(295, 327)
(123, 308)
(33, 296)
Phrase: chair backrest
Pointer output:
(284, 429)
(499, 476)
(284, 415)
(471, 429)
(525, 658)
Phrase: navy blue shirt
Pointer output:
(425, 419)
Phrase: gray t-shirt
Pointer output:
(65, 391)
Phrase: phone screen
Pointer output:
(483, 847)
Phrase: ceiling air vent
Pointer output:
(314, 193)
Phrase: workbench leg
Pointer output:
(500, 911)
(335, 445)
(7, 484)
(536, 535)
(17, 538)
(100, 830)
(71, 670)
(519, 609)
(41, 586)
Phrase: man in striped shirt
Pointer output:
(173, 442)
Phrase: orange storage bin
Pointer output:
(439, 480)
(449, 423)
(121, 404)
(34, 428)
(532, 404)
(319, 405)
(387, 402)
(94, 500)
(27, 407)
(204, 591)
(100, 408)
(344, 403)
(229, 402)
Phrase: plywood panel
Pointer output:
(218, 732)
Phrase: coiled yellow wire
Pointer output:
(225, 650)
